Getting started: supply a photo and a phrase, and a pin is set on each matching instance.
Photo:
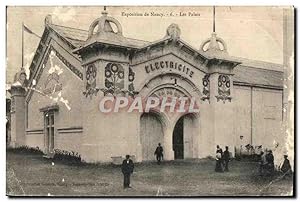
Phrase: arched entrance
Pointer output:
(151, 133)
(185, 137)
(169, 84)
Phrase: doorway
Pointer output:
(178, 144)
(151, 133)
(185, 137)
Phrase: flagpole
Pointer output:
(22, 44)
(214, 19)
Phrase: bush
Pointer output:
(25, 150)
(66, 156)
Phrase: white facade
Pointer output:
(238, 105)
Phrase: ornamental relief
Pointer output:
(223, 88)
(90, 86)
(114, 79)
(206, 86)
(131, 77)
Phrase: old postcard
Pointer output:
(150, 101)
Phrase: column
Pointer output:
(168, 144)
(17, 116)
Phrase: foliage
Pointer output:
(25, 150)
(67, 157)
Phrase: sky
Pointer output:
(249, 32)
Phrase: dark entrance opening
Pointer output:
(178, 139)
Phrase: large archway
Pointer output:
(185, 137)
(171, 85)
(151, 133)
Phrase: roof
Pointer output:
(258, 76)
(261, 64)
(78, 37)
(249, 72)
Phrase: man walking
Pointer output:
(159, 153)
(127, 170)
(226, 157)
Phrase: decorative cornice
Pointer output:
(50, 108)
(236, 83)
(70, 130)
(34, 131)
(67, 63)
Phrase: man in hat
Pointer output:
(127, 170)
(226, 157)
(159, 153)
(270, 162)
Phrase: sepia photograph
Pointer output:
(150, 101)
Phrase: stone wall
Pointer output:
(258, 117)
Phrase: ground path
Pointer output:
(33, 175)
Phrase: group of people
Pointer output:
(128, 166)
(222, 159)
(267, 167)
(266, 164)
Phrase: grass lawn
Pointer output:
(31, 174)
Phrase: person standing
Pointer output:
(226, 157)
(127, 170)
(219, 160)
(262, 163)
(159, 153)
(286, 166)
(219, 150)
(219, 164)
(270, 162)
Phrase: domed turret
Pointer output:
(214, 46)
(101, 29)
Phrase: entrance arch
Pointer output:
(185, 137)
(169, 84)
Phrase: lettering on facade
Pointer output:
(169, 65)
(168, 92)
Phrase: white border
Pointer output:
(4, 3)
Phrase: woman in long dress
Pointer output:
(219, 161)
